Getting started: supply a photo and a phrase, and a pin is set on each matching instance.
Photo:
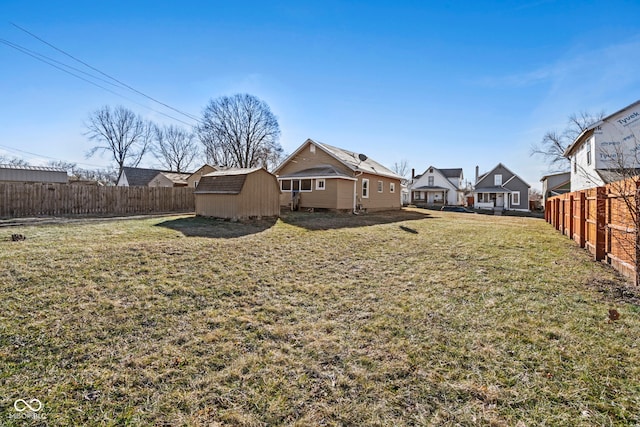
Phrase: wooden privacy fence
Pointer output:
(602, 220)
(27, 200)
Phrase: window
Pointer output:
(295, 185)
(417, 195)
(430, 181)
(392, 187)
(195, 184)
(497, 179)
(515, 198)
(365, 188)
(575, 166)
(312, 148)
(320, 184)
(380, 186)
(589, 155)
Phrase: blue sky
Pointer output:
(448, 84)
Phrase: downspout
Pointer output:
(355, 190)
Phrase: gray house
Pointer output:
(500, 189)
(555, 184)
(14, 173)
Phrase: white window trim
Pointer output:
(495, 179)
(299, 185)
(324, 184)
(380, 186)
(515, 195)
(392, 187)
(365, 188)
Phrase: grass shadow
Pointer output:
(335, 220)
(197, 226)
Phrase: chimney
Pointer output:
(477, 172)
(413, 173)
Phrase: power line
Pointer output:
(47, 157)
(190, 116)
(50, 62)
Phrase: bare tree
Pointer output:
(15, 161)
(176, 148)
(554, 142)
(120, 132)
(239, 131)
(401, 168)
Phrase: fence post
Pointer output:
(582, 219)
(571, 221)
(601, 223)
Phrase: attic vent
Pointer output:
(430, 170)
(312, 148)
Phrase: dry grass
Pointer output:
(317, 319)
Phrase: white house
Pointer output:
(605, 147)
(438, 187)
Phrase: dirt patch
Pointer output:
(614, 290)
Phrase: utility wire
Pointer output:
(50, 62)
(47, 157)
(191, 116)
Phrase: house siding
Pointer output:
(379, 201)
(306, 159)
(197, 175)
(259, 197)
(160, 181)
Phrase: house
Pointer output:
(555, 184)
(237, 194)
(438, 187)
(605, 149)
(321, 176)
(500, 189)
(192, 180)
(49, 175)
(169, 179)
(132, 177)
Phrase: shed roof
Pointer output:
(33, 168)
(228, 181)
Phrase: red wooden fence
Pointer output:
(603, 220)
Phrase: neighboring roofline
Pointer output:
(206, 164)
(508, 170)
(559, 185)
(453, 187)
(32, 168)
(554, 174)
(236, 171)
(576, 142)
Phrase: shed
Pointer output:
(238, 193)
(16, 173)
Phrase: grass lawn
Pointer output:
(410, 318)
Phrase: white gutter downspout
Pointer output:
(355, 190)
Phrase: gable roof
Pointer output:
(140, 176)
(177, 177)
(493, 186)
(228, 181)
(348, 158)
(202, 167)
(452, 173)
(445, 173)
(587, 131)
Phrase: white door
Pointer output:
(499, 200)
